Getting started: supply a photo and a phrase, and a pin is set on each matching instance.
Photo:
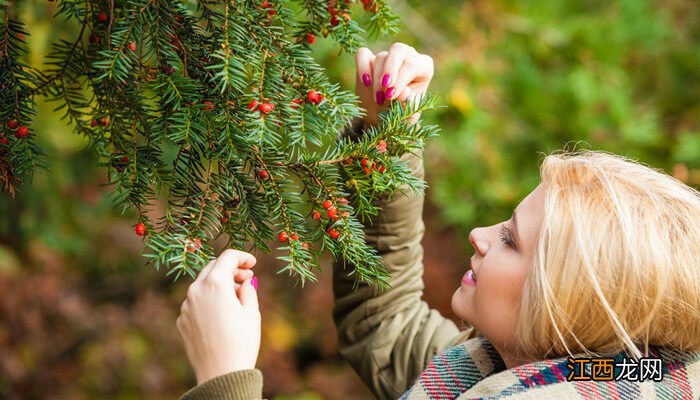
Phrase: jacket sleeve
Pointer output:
(238, 385)
(389, 336)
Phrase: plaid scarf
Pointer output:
(473, 369)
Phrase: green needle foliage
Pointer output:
(171, 99)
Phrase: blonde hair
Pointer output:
(617, 262)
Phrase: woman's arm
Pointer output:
(220, 326)
(390, 336)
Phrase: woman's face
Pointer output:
(489, 295)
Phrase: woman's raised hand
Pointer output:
(398, 74)
(220, 320)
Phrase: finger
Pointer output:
(363, 59)
(398, 52)
(406, 75)
(377, 89)
(242, 274)
(228, 263)
(204, 272)
(248, 295)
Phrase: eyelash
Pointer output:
(506, 237)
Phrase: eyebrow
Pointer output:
(515, 229)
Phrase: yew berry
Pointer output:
(316, 215)
(271, 11)
(140, 229)
(314, 97)
(12, 124)
(332, 212)
(253, 105)
(334, 20)
(294, 236)
(283, 237)
(4, 141)
(93, 123)
(102, 17)
(366, 170)
(22, 132)
(296, 103)
(263, 174)
(382, 169)
(208, 105)
(333, 233)
(132, 46)
(104, 121)
(342, 200)
(364, 162)
(381, 147)
(266, 107)
(310, 38)
(345, 214)
(327, 204)
(305, 245)
(264, 4)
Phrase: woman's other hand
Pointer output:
(398, 74)
(220, 320)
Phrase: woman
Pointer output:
(602, 259)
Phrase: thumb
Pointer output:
(249, 294)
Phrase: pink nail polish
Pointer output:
(385, 80)
(254, 282)
(389, 92)
(366, 80)
(380, 97)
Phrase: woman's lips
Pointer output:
(468, 278)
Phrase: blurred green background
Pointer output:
(81, 317)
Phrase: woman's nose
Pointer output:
(481, 245)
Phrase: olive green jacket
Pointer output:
(387, 336)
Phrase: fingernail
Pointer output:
(389, 92)
(385, 80)
(254, 282)
(366, 80)
(380, 98)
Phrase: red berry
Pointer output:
(12, 124)
(140, 229)
(342, 200)
(264, 4)
(381, 147)
(266, 107)
(345, 214)
(327, 204)
(208, 105)
(314, 97)
(296, 102)
(4, 141)
(382, 169)
(333, 233)
(263, 174)
(334, 20)
(294, 236)
(332, 212)
(22, 132)
(93, 123)
(316, 215)
(104, 121)
(132, 46)
(102, 17)
(310, 38)
(364, 162)
(271, 11)
(305, 245)
(253, 105)
(283, 236)
(366, 171)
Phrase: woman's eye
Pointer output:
(506, 237)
